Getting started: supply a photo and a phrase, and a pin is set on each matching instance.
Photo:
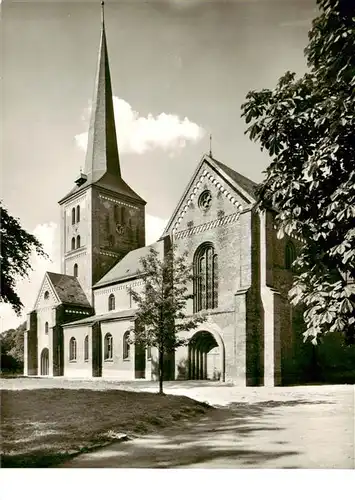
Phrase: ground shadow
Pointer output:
(243, 434)
(224, 437)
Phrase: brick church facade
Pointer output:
(81, 318)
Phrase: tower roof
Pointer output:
(102, 163)
(102, 151)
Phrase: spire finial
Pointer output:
(210, 153)
(103, 12)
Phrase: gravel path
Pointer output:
(281, 427)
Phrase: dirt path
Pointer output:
(292, 428)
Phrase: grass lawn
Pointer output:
(43, 427)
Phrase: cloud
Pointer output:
(139, 134)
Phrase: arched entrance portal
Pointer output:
(45, 362)
(206, 357)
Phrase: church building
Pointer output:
(80, 323)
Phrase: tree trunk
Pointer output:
(161, 370)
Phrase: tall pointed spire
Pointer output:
(102, 151)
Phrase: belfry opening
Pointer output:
(206, 357)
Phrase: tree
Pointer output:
(307, 126)
(11, 342)
(17, 246)
(161, 305)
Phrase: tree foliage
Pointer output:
(162, 304)
(16, 246)
(307, 126)
(12, 349)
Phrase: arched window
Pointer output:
(78, 241)
(126, 345)
(86, 348)
(123, 214)
(215, 280)
(108, 344)
(111, 302)
(149, 352)
(46, 327)
(73, 215)
(72, 349)
(205, 278)
(78, 213)
(73, 243)
(46, 295)
(290, 255)
(76, 270)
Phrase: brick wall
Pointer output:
(81, 256)
(31, 346)
(280, 279)
(231, 231)
(78, 367)
(123, 301)
(117, 367)
(118, 227)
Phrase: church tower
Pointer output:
(102, 218)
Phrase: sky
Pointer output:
(180, 71)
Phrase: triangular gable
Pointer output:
(53, 298)
(236, 188)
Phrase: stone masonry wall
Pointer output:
(118, 226)
(230, 232)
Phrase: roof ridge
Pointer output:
(247, 184)
(223, 165)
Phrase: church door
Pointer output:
(45, 362)
(206, 357)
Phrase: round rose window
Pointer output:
(205, 200)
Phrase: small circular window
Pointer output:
(205, 200)
(120, 228)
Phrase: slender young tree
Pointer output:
(162, 304)
(16, 247)
(307, 126)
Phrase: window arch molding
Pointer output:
(111, 302)
(72, 349)
(290, 255)
(86, 348)
(108, 347)
(205, 271)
